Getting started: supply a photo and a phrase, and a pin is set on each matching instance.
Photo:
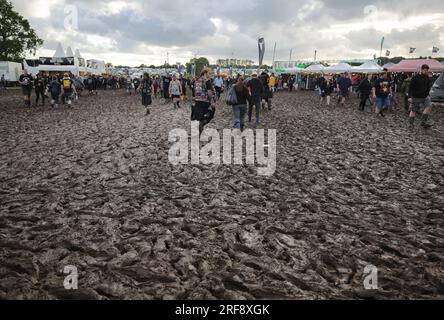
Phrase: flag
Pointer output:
(387, 53)
(218, 70)
(435, 50)
(193, 69)
(382, 42)
(261, 45)
(412, 50)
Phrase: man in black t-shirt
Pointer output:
(382, 92)
(419, 97)
(25, 81)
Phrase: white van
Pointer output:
(11, 71)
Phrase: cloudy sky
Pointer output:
(132, 32)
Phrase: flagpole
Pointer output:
(274, 54)
(380, 52)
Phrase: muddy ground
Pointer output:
(92, 187)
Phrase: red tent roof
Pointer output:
(415, 65)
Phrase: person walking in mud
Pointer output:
(203, 111)
(419, 97)
(365, 89)
(175, 91)
(55, 89)
(25, 81)
(40, 87)
(381, 94)
(327, 89)
(344, 86)
(257, 92)
(267, 94)
(146, 89)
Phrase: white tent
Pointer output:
(69, 52)
(314, 68)
(339, 68)
(368, 67)
(77, 54)
(388, 65)
(59, 52)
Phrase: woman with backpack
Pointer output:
(55, 89)
(240, 107)
(146, 89)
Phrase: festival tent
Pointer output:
(314, 68)
(368, 67)
(77, 54)
(59, 52)
(69, 52)
(339, 68)
(415, 65)
(388, 65)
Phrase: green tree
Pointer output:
(16, 35)
(201, 63)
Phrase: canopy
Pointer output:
(388, 65)
(368, 67)
(77, 54)
(339, 68)
(315, 68)
(59, 52)
(69, 52)
(415, 65)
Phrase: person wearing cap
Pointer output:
(419, 97)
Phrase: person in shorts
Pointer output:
(25, 81)
(419, 91)
(175, 91)
(381, 93)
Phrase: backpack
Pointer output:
(54, 87)
(232, 96)
(90, 81)
(201, 92)
(67, 84)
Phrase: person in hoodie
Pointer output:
(55, 89)
(257, 92)
(267, 93)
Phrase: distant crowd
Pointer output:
(244, 93)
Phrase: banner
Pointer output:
(68, 61)
(261, 45)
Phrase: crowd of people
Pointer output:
(380, 92)
(250, 93)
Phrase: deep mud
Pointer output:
(92, 187)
